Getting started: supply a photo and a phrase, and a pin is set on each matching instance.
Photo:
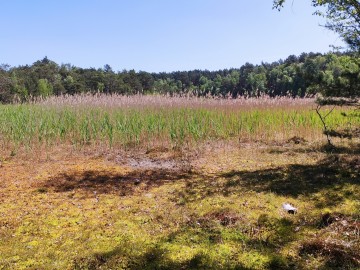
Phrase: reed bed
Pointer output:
(128, 121)
(173, 101)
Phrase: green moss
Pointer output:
(240, 225)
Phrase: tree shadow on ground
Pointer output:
(331, 176)
(104, 182)
(353, 149)
(208, 232)
(331, 173)
(159, 256)
(205, 231)
(155, 257)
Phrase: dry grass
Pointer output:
(167, 102)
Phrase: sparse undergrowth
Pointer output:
(217, 208)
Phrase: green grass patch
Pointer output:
(36, 125)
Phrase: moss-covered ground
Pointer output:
(218, 206)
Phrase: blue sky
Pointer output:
(158, 35)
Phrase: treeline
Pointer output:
(331, 74)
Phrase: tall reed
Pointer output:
(142, 120)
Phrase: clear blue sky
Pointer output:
(158, 35)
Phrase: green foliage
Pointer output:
(339, 78)
(45, 89)
(257, 81)
(6, 84)
(297, 76)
